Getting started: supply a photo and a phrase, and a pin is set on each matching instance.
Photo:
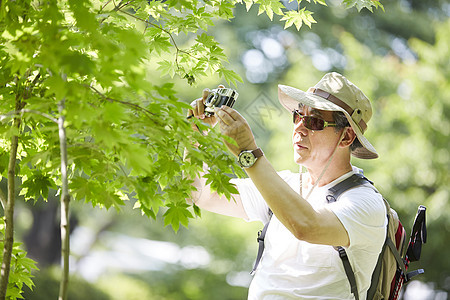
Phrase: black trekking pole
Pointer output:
(417, 238)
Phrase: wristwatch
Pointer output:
(247, 158)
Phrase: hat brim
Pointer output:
(290, 98)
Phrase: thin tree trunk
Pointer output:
(9, 211)
(65, 199)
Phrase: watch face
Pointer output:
(247, 159)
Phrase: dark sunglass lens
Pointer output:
(314, 123)
(308, 123)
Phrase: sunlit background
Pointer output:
(127, 256)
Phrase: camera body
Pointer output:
(219, 97)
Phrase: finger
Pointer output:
(221, 86)
(224, 117)
(192, 104)
(190, 114)
(200, 107)
(205, 94)
(231, 112)
(192, 111)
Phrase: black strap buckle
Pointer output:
(342, 253)
(259, 238)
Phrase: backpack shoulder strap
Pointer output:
(260, 240)
(334, 193)
(351, 182)
(348, 271)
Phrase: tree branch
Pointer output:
(178, 50)
(116, 7)
(21, 112)
(133, 105)
(121, 101)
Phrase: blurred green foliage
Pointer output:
(47, 287)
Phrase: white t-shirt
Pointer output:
(295, 269)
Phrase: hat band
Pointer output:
(321, 93)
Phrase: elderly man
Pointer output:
(300, 260)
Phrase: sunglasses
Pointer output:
(310, 122)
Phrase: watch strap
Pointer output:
(258, 152)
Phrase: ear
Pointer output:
(349, 137)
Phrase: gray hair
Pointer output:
(342, 122)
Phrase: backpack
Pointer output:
(391, 268)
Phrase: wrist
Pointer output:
(247, 158)
(250, 147)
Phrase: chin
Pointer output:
(299, 160)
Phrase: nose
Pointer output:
(300, 127)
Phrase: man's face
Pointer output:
(313, 148)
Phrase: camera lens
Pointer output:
(219, 97)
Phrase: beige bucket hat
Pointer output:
(334, 92)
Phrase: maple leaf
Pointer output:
(177, 214)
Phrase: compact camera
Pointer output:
(219, 97)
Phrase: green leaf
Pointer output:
(167, 68)
(137, 159)
(360, 4)
(221, 184)
(321, 2)
(177, 214)
(270, 7)
(20, 270)
(57, 86)
(108, 199)
(248, 4)
(225, 10)
(197, 210)
(36, 185)
(230, 76)
(217, 53)
(206, 40)
(147, 193)
(160, 44)
(76, 62)
(106, 133)
(82, 188)
(297, 18)
(85, 20)
(113, 112)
